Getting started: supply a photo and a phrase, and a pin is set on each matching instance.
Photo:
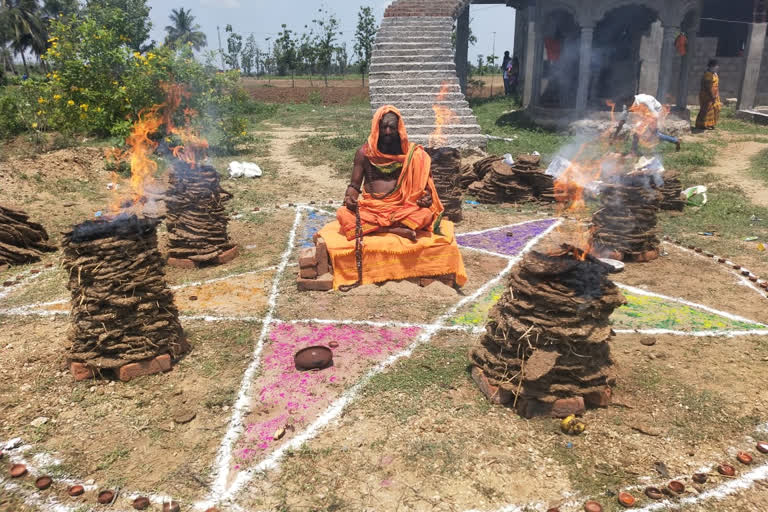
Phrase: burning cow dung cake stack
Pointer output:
(21, 241)
(123, 316)
(196, 219)
(546, 347)
(625, 225)
(446, 164)
(671, 190)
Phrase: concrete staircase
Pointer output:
(413, 62)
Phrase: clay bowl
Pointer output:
(616, 265)
(313, 358)
(18, 470)
(762, 447)
(171, 507)
(726, 469)
(141, 503)
(700, 478)
(333, 344)
(105, 497)
(744, 458)
(654, 493)
(626, 499)
(553, 509)
(76, 490)
(593, 506)
(676, 486)
(43, 482)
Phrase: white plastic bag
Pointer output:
(694, 196)
(558, 166)
(508, 159)
(243, 169)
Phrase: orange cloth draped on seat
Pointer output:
(388, 257)
(399, 206)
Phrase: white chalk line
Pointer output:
(234, 429)
(697, 334)
(730, 316)
(335, 409)
(508, 226)
(20, 284)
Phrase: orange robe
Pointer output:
(399, 206)
(709, 100)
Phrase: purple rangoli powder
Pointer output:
(507, 241)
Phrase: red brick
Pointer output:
(598, 398)
(323, 283)
(308, 257)
(181, 263)
(495, 394)
(81, 371)
(562, 408)
(148, 367)
(308, 273)
(228, 256)
(321, 255)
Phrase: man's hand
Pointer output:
(426, 200)
(350, 199)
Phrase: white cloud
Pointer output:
(222, 4)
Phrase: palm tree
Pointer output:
(184, 30)
(25, 30)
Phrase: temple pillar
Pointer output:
(462, 48)
(667, 58)
(650, 54)
(754, 57)
(585, 68)
(685, 67)
(531, 65)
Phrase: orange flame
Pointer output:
(646, 124)
(443, 116)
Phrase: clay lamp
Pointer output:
(676, 486)
(212, 509)
(626, 499)
(762, 447)
(698, 249)
(692, 247)
(105, 497)
(553, 509)
(18, 470)
(726, 469)
(745, 273)
(736, 267)
(141, 503)
(171, 507)
(593, 506)
(193, 297)
(333, 344)
(744, 458)
(76, 490)
(313, 358)
(700, 478)
(43, 482)
(654, 493)
(721, 260)
(753, 279)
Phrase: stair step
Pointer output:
(409, 66)
(432, 89)
(435, 76)
(435, 53)
(405, 82)
(411, 59)
(448, 129)
(411, 45)
(427, 99)
(460, 112)
(454, 140)
(410, 37)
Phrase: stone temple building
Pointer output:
(575, 56)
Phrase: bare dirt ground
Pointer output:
(420, 436)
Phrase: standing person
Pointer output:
(513, 72)
(505, 72)
(709, 98)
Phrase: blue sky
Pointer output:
(263, 18)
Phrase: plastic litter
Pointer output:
(655, 107)
(470, 201)
(244, 170)
(761, 247)
(750, 239)
(557, 167)
(508, 159)
(536, 153)
(98, 213)
(695, 196)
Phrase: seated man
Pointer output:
(393, 197)
(399, 194)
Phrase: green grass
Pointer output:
(759, 167)
(347, 119)
(338, 152)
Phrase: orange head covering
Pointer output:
(371, 148)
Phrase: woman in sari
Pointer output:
(709, 98)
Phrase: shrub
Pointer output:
(11, 122)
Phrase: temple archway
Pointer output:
(626, 55)
(560, 60)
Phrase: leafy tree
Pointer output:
(364, 37)
(234, 46)
(184, 30)
(285, 51)
(249, 56)
(307, 53)
(480, 66)
(327, 32)
(472, 37)
(128, 18)
(342, 58)
(23, 28)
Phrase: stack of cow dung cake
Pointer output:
(122, 308)
(499, 182)
(446, 165)
(21, 241)
(671, 190)
(528, 169)
(196, 218)
(545, 350)
(625, 225)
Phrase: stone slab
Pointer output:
(321, 255)
(228, 256)
(323, 283)
(308, 257)
(307, 272)
(494, 394)
(81, 371)
(157, 364)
